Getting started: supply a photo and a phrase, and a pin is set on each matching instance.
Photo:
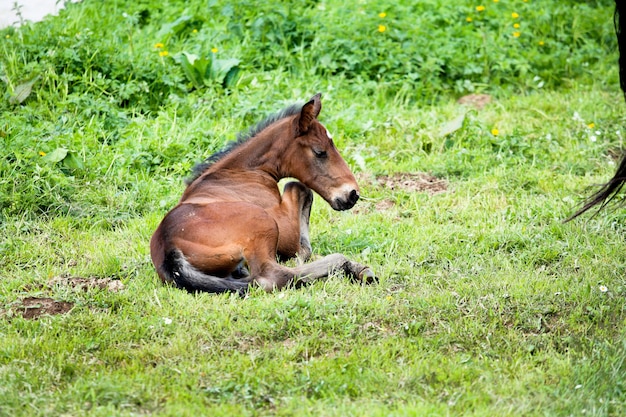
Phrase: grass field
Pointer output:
(488, 304)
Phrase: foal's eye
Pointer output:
(320, 154)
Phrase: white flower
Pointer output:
(603, 288)
(167, 320)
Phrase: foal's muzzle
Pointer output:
(346, 202)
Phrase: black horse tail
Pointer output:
(609, 191)
(176, 268)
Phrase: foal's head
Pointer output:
(313, 159)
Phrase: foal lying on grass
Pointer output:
(232, 223)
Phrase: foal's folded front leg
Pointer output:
(292, 217)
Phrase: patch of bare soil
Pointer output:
(34, 307)
(84, 284)
(418, 182)
(478, 101)
(385, 205)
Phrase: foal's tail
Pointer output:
(607, 193)
(176, 268)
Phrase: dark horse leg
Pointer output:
(612, 188)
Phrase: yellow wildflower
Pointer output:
(514, 15)
(517, 34)
(194, 31)
(591, 125)
(541, 43)
(214, 50)
(516, 25)
(495, 1)
(469, 19)
(480, 8)
(382, 15)
(382, 28)
(495, 132)
(42, 153)
(158, 45)
(164, 53)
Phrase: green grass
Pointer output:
(488, 304)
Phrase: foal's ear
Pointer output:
(309, 112)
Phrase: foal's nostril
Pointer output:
(345, 201)
(354, 197)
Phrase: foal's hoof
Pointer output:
(367, 276)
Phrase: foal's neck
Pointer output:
(264, 152)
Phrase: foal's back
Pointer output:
(232, 186)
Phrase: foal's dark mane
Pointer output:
(243, 137)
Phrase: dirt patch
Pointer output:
(385, 205)
(33, 307)
(419, 182)
(84, 284)
(478, 101)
